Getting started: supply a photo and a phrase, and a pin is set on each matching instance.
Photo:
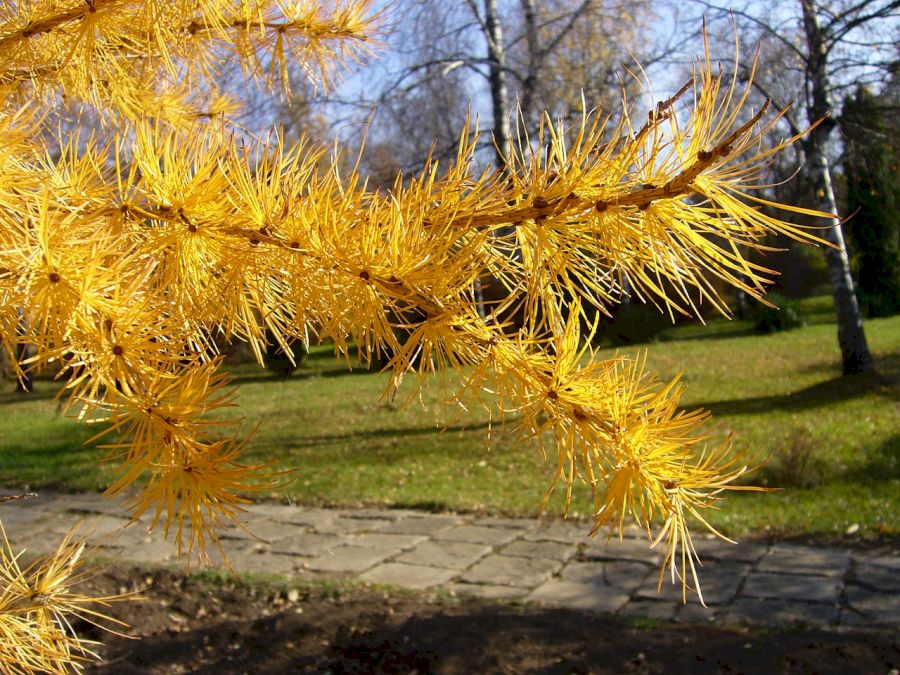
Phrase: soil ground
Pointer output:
(219, 625)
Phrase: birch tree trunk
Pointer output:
(497, 79)
(855, 355)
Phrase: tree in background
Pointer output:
(562, 53)
(505, 61)
(824, 49)
(134, 251)
(872, 172)
(497, 60)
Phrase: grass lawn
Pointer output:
(833, 442)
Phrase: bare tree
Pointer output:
(825, 48)
(493, 57)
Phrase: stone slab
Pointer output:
(475, 534)
(58, 524)
(424, 525)
(719, 584)
(339, 524)
(558, 531)
(150, 550)
(574, 595)
(308, 517)
(793, 587)
(504, 570)
(274, 511)
(792, 559)
(261, 529)
(19, 521)
(624, 576)
(877, 577)
(375, 514)
(628, 575)
(305, 543)
(456, 555)
(627, 532)
(335, 521)
(540, 549)
(508, 523)
(348, 559)
(28, 536)
(409, 576)
(592, 573)
(398, 542)
(236, 546)
(627, 549)
(81, 504)
(885, 561)
(718, 549)
(871, 608)
(261, 562)
(103, 530)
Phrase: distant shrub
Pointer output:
(634, 323)
(794, 462)
(786, 315)
(280, 363)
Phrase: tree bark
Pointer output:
(497, 78)
(855, 355)
(529, 82)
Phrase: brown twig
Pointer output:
(661, 111)
(24, 495)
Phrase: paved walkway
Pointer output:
(552, 563)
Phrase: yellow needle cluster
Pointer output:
(128, 254)
(38, 604)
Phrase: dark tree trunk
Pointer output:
(529, 82)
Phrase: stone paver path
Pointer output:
(550, 563)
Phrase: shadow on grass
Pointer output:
(12, 397)
(65, 460)
(299, 442)
(834, 390)
(883, 463)
(267, 376)
(887, 368)
(742, 329)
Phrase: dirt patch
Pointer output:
(201, 625)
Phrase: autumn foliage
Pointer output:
(129, 253)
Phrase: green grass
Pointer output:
(833, 442)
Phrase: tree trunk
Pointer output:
(497, 78)
(529, 82)
(855, 355)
